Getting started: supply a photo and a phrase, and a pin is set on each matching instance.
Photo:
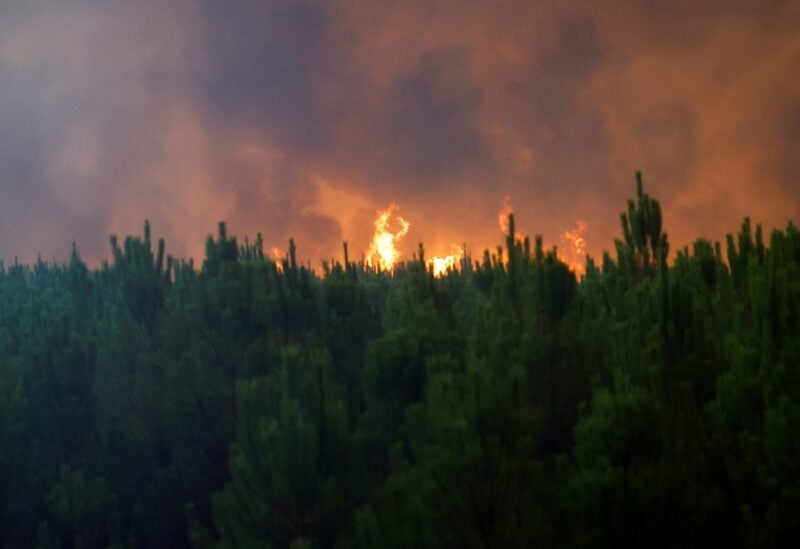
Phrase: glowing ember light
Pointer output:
(441, 265)
(382, 251)
(503, 219)
(575, 249)
(504, 213)
(278, 255)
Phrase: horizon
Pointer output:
(305, 119)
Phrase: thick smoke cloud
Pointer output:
(302, 118)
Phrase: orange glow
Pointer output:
(575, 249)
(382, 251)
(573, 241)
(278, 255)
(441, 265)
(503, 219)
(504, 213)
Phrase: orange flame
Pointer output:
(575, 254)
(503, 221)
(441, 265)
(278, 256)
(504, 213)
(382, 251)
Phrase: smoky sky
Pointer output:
(301, 119)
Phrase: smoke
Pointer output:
(304, 118)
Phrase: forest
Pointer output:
(244, 402)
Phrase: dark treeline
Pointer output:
(248, 404)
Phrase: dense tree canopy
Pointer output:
(248, 403)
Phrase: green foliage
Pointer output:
(252, 404)
(288, 458)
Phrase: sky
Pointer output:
(302, 119)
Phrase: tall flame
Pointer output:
(441, 265)
(278, 255)
(390, 228)
(575, 252)
(504, 213)
(382, 251)
(503, 219)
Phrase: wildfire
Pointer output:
(503, 221)
(504, 213)
(441, 265)
(575, 249)
(278, 256)
(382, 251)
(390, 228)
(574, 243)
